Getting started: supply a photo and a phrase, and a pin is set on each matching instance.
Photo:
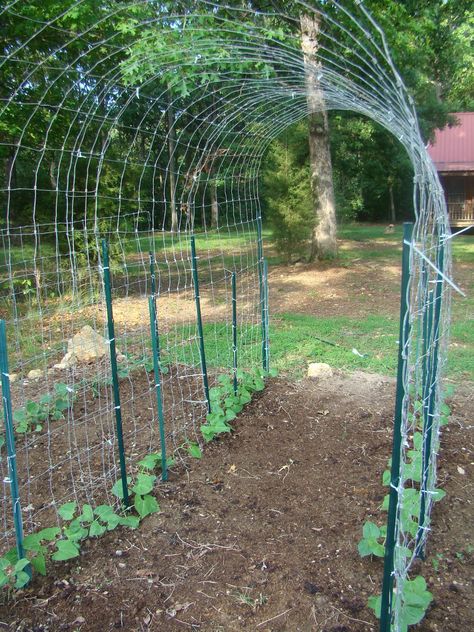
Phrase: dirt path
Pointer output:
(262, 533)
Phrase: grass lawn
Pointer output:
(338, 340)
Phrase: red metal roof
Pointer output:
(453, 147)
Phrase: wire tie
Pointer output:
(117, 407)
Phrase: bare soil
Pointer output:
(261, 534)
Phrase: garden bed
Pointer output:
(262, 533)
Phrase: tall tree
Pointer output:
(324, 244)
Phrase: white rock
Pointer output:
(319, 370)
(35, 374)
(85, 346)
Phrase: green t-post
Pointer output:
(432, 378)
(114, 370)
(387, 586)
(261, 284)
(153, 294)
(234, 331)
(10, 443)
(159, 397)
(197, 299)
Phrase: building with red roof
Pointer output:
(452, 152)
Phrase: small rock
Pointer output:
(310, 588)
(122, 565)
(79, 621)
(461, 470)
(13, 378)
(319, 370)
(121, 357)
(35, 374)
(118, 553)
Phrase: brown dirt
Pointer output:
(261, 534)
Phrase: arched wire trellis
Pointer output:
(124, 119)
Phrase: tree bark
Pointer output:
(324, 244)
(172, 165)
(214, 207)
(393, 214)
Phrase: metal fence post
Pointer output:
(234, 332)
(153, 294)
(197, 299)
(387, 586)
(261, 282)
(114, 369)
(10, 441)
(431, 379)
(159, 396)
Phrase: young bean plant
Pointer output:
(226, 403)
(416, 597)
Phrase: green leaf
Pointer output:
(76, 532)
(87, 514)
(4, 563)
(96, 529)
(149, 462)
(416, 600)
(386, 478)
(21, 564)
(4, 579)
(145, 505)
(273, 372)
(438, 494)
(117, 489)
(194, 450)
(22, 579)
(62, 390)
(215, 394)
(375, 604)
(244, 396)
(32, 409)
(32, 542)
(144, 484)
(133, 522)
(61, 404)
(370, 531)
(39, 563)
(67, 511)
(104, 512)
(207, 432)
(66, 550)
(364, 548)
(230, 415)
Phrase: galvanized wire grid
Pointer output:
(179, 148)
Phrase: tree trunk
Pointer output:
(393, 215)
(214, 207)
(172, 165)
(324, 243)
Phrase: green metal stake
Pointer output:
(10, 442)
(113, 364)
(197, 299)
(159, 396)
(266, 366)
(387, 586)
(431, 394)
(153, 294)
(234, 330)
(261, 282)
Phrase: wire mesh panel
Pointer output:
(147, 126)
